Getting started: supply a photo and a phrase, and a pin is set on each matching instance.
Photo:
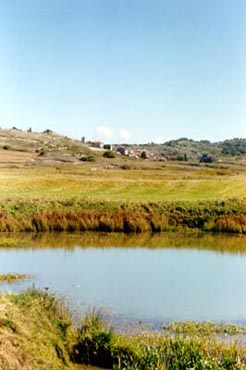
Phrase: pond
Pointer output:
(140, 277)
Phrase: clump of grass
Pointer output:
(93, 342)
(93, 321)
(8, 222)
(227, 223)
(13, 278)
(100, 346)
(9, 324)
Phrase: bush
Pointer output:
(144, 155)
(109, 154)
(207, 158)
(41, 152)
(126, 167)
(87, 158)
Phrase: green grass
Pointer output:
(148, 197)
(201, 349)
(37, 332)
(119, 185)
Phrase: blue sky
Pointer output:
(124, 70)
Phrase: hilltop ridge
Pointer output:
(49, 145)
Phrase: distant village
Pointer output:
(126, 150)
(49, 143)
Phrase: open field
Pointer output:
(151, 184)
(45, 185)
(103, 196)
(47, 165)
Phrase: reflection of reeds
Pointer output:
(231, 243)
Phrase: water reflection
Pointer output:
(165, 276)
(204, 241)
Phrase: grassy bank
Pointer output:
(36, 332)
(34, 215)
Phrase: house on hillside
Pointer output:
(122, 150)
(98, 144)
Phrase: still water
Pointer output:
(166, 277)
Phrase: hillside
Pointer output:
(191, 150)
(48, 146)
(44, 146)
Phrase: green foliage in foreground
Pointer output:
(100, 346)
(37, 332)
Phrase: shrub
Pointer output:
(126, 167)
(109, 154)
(207, 158)
(143, 155)
(87, 158)
(41, 152)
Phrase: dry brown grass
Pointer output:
(11, 158)
(11, 353)
(32, 335)
(26, 336)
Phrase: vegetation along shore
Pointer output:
(37, 332)
(75, 215)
